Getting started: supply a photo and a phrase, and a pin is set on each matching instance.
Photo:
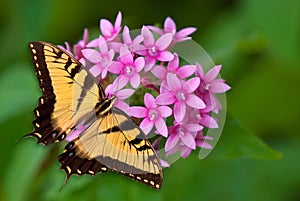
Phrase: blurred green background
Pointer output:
(256, 41)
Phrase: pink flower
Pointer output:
(101, 59)
(128, 68)
(155, 50)
(152, 114)
(181, 94)
(196, 139)
(82, 44)
(185, 71)
(115, 89)
(170, 27)
(183, 133)
(110, 31)
(209, 83)
(132, 44)
(209, 86)
(201, 140)
(200, 117)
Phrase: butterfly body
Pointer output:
(72, 98)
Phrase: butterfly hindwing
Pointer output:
(118, 144)
(69, 92)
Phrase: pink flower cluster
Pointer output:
(180, 98)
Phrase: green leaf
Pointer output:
(18, 90)
(21, 170)
(237, 142)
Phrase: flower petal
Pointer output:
(173, 82)
(212, 73)
(199, 71)
(116, 67)
(218, 86)
(149, 101)
(174, 63)
(149, 63)
(164, 41)
(122, 106)
(126, 35)
(135, 80)
(165, 99)
(165, 56)
(106, 27)
(92, 55)
(165, 111)
(186, 71)
(179, 111)
(125, 55)
(203, 144)
(189, 140)
(169, 25)
(124, 93)
(146, 125)
(185, 151)
(156, 29)
(161, 127)
(118, 21)
(93, 43)
(102, 45)
(159, 72)
(95, 70)
(191, 85)
(208, 121)
(138, 111)
(195, 102)
(185, 32)
(121, 81)
(139, 63)
(164, 163)
(171, 142)
(148, 37)
(193, 127)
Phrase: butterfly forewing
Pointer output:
(69, 92)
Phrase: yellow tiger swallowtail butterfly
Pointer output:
(72, 96)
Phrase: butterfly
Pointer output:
(110, 141)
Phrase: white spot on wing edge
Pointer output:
(68, 169)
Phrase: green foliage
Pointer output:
(236, 141)
(256, 41)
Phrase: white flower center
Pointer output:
(207, 86)
(198, 116)
(152, 52)
(129, 70)
(105, 61)
(180, 96)
(153, 114)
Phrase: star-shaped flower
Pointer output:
(180, 93)
(155, 50)
(153, 115)
(127, 68)
(101, 59)
(170, 27)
